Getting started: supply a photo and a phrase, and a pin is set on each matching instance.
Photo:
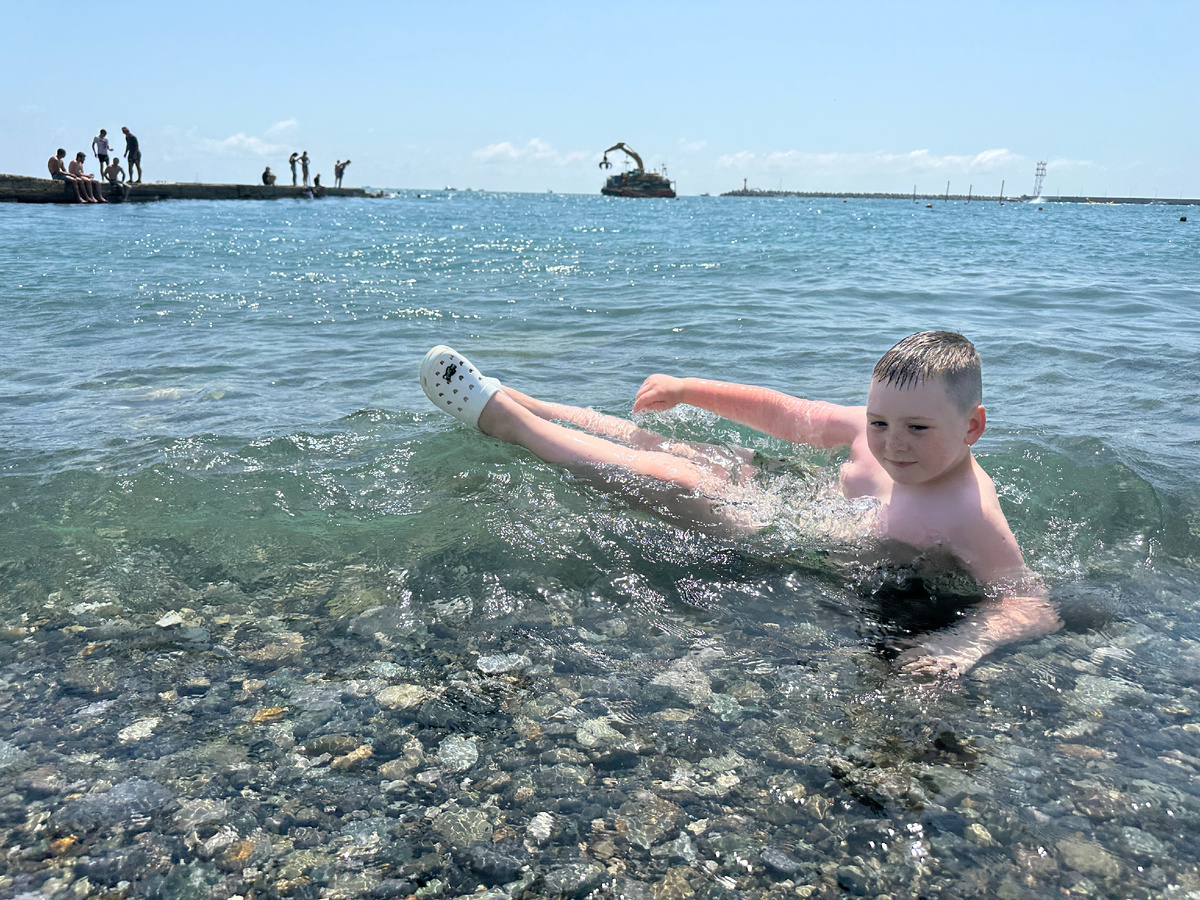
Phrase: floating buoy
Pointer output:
(1183, 218)
(1039, 209)
(929, 206)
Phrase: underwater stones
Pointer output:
(1086, 856)
(462, 826)
(495, 864)
(595, 734)
(195, 813)
(91, 678)
(11, 756)
(675, 885)
(778, 861)
(575, 879)
(647, 818)
(540, 828)
(353, 759)
(334, 744)
(122, 802)
(402, 696)
(139, 730)
(681, 849)
(241, 852)
(498, 664)
(1143, 844)
(457, 753)
(411, 758)
(979, 835)
(315, 697)
(687, 683)
(274, 648)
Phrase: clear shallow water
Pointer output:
(397, 639)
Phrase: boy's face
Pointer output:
(917, 433)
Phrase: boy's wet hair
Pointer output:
(935, 354)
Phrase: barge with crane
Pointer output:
(635, 182)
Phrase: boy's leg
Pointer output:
(729, 461)
(681, 490)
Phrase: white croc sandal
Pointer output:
(455, 386)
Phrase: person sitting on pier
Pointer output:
(317, 182)
(116, 176)
(58, 172)
(76, 169)
(268, 176)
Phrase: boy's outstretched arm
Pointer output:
(780, 415)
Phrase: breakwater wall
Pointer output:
(961, 198)
(25, 189)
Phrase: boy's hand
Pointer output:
(659, 392)
(934, 661)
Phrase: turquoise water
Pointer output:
(211, 410)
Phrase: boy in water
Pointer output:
(909, 449)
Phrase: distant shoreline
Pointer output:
(963, 198)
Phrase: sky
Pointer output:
(809, 96)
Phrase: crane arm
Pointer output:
(620, 145)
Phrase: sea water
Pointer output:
(272, 624)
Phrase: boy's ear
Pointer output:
(975, 424)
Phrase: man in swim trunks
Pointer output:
(133, 155)
(58, 171)
(86, 181)
(338, 171)
(292, 162)
(116, 176)
(100, 148)
(304, 167)
(909, 450)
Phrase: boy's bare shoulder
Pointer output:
(980, 532)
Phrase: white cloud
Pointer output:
(871, 161)
(281, 127)
(536, 150)
(1064, 163)
(241, 145)
(692, 146)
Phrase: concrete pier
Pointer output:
(24, 189)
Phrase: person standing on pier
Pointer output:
(100, 148)
(304, 167)
(338, 171)
(292, 162)
(133, 155)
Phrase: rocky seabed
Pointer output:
(318, 732)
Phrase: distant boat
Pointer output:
(637, 182)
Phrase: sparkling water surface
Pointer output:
(274, 626)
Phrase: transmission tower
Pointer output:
(1038, 177)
